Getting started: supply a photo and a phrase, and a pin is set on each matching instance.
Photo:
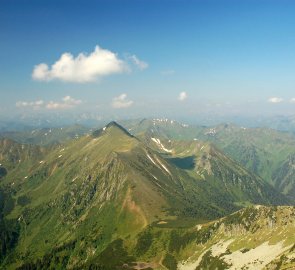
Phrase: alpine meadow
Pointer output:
(147, 134)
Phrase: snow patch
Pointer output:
(155, 177)
(211, 131)
(163, 166)
(151, 159)
(158, 142)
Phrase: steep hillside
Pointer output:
(265, 152)
(16, 158)
(284, 177)
(205, 162)
(259, 149)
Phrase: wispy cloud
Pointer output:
(30, 104)
(182, 96)
(137, 62)
(121, 101)
(81, 69)
(275, 100)
(292, 100)
(66, 103)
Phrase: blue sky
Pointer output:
(226, 56)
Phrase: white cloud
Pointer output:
(83, 68)
(39, 102)
(139, 63)
(30, 104)
(21, 104)
(182, 96)
(275, 100)
(66, 103)
(292, 100)
(121, 102)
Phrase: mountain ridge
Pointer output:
(104, 192)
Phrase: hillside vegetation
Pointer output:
(110, 200)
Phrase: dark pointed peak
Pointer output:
(114, 124)
(143, 120)
(110, 125)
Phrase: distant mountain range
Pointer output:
(29, 121)
(154, 194)
(46, 136)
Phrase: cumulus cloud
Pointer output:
(82, 68)
(121, 102)
(30, 104)
(137, 62)
(66, 103)
(275, 100)
(182, 96)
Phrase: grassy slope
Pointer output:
(204, 162)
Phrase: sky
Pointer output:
(147, 57)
